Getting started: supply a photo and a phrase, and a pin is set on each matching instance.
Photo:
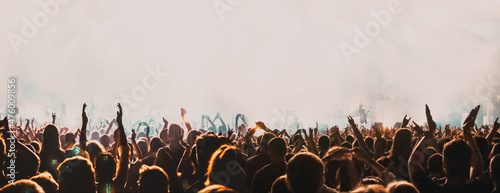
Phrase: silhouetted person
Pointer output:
(258, 161)
(51, 154)
(225, 170)
(217, 188)
(105, 169)
(22, 186)
(495, 173)
(264, 178)
(401, 187)
(46, 181)
(153, 179)
(304, 173)
(76, 174)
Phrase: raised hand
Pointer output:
(134, 135)
(476, 160)
(316, 131)
(496, 125)
(119, 115)
(164, 121)
(358, 135)
(121, 130)
(405, 122)
(183, 113)
(5, 124)
(432, 125)
(229, 133)
(493, 132)
(54, 118)
(248, 136)
(244, 120)
(263, 126)
(242, 129)
(470, 122)
(83, 138)
(351, 120)
(418, 129)
(85, 119)
(335, 129)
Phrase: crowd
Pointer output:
(177, 158)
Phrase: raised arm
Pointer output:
(110, 125)
(123, 163)
(248, 140)
(359, 136)
(417, 157)
(263, 126)
(83, 131)
(236, 120)
(311, 144)
(336, 135)
(361, 155)
(223, 123)
(209, 121)
(165, 123)
(418, 129)
(217, 117)
(29, 131)
(493, 132)
(148, 139)
(134, 145)
(186, 122)
(430, 121)
(476, 159)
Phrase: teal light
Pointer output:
(108, 187)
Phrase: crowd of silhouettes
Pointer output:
(177, 158)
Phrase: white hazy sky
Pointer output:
(261, 57)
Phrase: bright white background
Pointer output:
(260, 58)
